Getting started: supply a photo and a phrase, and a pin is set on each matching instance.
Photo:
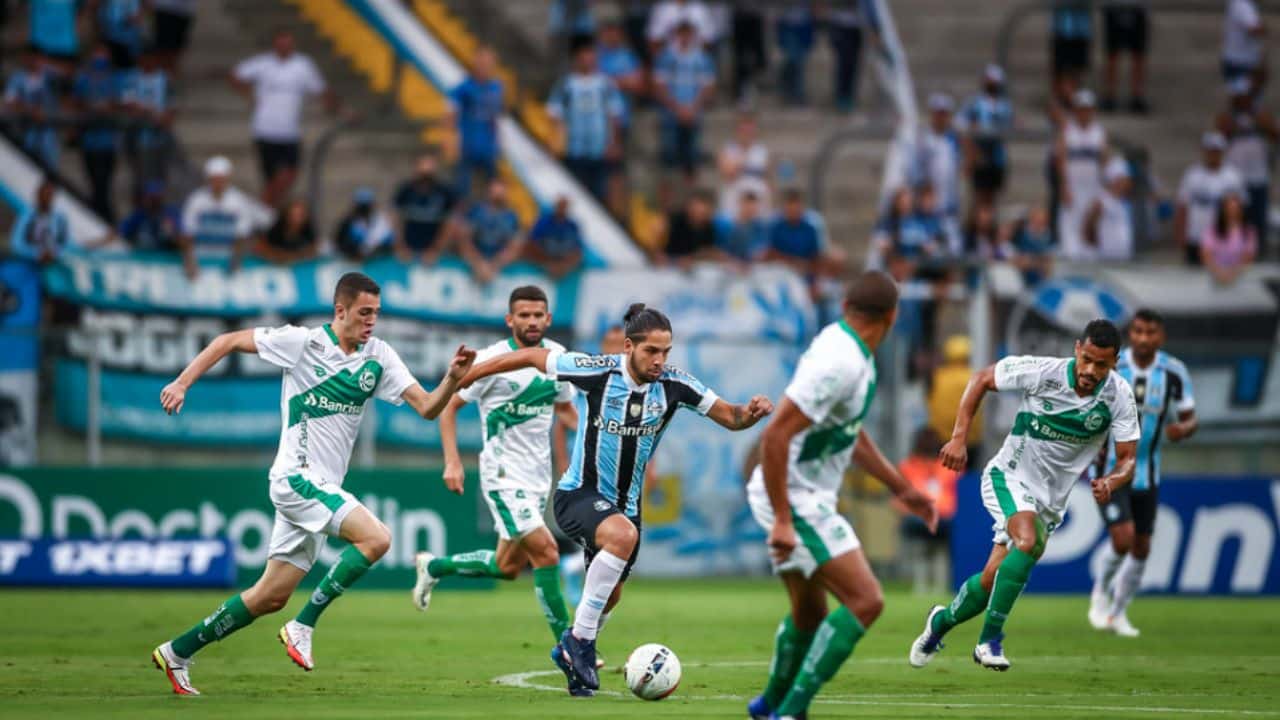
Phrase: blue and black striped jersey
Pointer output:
(1162, 391)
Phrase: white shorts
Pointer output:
(1004, 496)
(823, 532)
(515, 512)
(307, 510)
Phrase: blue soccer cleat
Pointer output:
(576, 688)
(758, 709)
(581, 655)
(990, 654)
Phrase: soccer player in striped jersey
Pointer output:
(1068, 407)
(517, 410)
(1166, 409)
(329, 374)
(625, 404)
(805, 451)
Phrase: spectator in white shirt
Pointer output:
(217, 219)
(745, 167)
(1252, 135)
(1109, 224)
(1244, 44)
(277, 82)
(1202, 187)
(937, 160)
(668, 15)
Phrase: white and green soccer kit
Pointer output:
(322, 397)
(516, 412)
(834, 384)
(1055, 435)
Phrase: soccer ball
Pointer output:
(652, 671)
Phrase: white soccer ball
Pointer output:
(652, 671)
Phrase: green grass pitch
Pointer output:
(86, 654)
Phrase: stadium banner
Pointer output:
(50, 505)
(194, 563)
(19, 363)
(1214, 536)
(768, 302)
(696, 519)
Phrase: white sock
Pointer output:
(602, 577)
(1110, 563)
(1128, 580)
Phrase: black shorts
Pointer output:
(1125, 29)
(579, 512)
(172, 30)
(1138, 506)
(276, 156)
(988, 176)
(1070, 55)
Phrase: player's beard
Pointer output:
(640, 372)
(526, 340)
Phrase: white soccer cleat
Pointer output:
(1099, 615)
(296, 639)
(1121, 626)
(990, 655)
(426, 582)
(929, 642)
(176, 668)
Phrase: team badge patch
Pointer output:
(367, 380)
(635, 410)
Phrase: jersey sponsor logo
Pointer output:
(534, 401)
(613, 427)
(595, 361)
(1072, 426)
(343, 393)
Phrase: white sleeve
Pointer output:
(313, 81)
(249, 70)
(244, 215)
(476, 390)
(191, 213)
(1020, 372)
(1185, 400)
(1124, 414)
(1184, 187)
(281, 346)
(395, 379)
(565, 392)
(818, 387)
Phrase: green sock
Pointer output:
(351, 566)
(546, 585)
(832, 645)
(970, 600)
(789, 647)
(228, 618)
(1011, 577)
(477, 563)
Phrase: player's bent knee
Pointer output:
(867, 607)
(376, 545)
(1141, 546)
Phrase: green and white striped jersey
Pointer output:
(516, 412)
(1057, 433)
(834, 384)
(323, 393)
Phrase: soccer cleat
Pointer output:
(1098, 615)
(929, 642)
(990, 655)
(581, 655)
(176, 668)
(1121, 626)
(758, 709)
(296, 639)
(426, 582)
(576, 688)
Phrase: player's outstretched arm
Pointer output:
(955, 454)
(507, 362)
(454, 475)
(868, 457)
(175, 393)
(1121, 474)
(788, 422)
(740, 417)
(430, 404)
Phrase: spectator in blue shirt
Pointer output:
(475, 105)
(555, 243)
(30, 95)
(97, 92)
(744, 238)
(985, 121)
(146, 98)
(622, 65)
(42, 231)
(426, 209)
(588, 109)
(54, 30)
(1032, 246)
(795, 28)
(909, 234)
(120, 24)
(491, 238)
(364, 231)
(685, 84)
(153, 225)
(796, 236)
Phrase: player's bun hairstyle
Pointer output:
(1102, 333)
(1149, 315)
(351, 285)
(873, 295)
(526, 292)
(640, 321)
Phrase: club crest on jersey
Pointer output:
(367, 380)
(635, 409)
(1094, 421)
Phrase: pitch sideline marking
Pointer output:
(523, 681)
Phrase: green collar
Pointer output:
(1071, 378)
(866, 351)
(511, 343)
(334, 337)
